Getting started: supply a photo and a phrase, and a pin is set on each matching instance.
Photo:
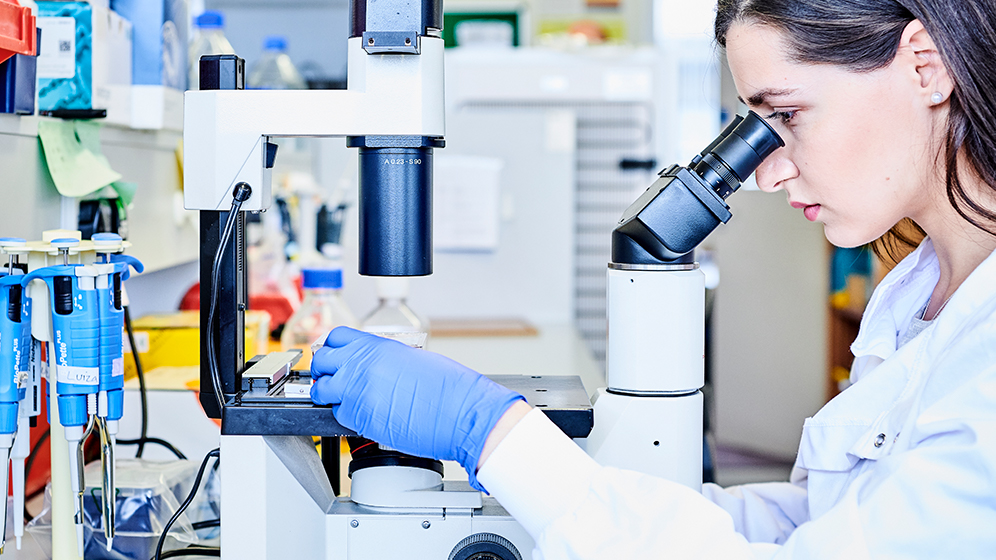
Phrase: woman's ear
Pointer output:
(934, 81)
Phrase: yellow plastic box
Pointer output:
(173, 339)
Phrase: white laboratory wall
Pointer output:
(161, 291)
(769, 324)
(682, 18)
(31, 203)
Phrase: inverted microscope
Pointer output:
(279, 497)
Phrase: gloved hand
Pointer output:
(411, 400)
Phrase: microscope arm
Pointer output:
(225, 131)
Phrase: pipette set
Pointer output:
(68, 297)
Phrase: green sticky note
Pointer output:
(88, 133)
(76, 170)
(126, 191)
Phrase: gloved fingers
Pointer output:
(325, 390)
(341, 336)
(328, 359)
(322, 364)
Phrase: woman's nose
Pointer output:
(775, 170)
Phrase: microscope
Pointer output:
(279, 498)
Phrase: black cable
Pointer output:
(179, 511)
(27, 470)
(142, 390)
(206, 524)
(193, 551)
(240, 194)
(142, 441)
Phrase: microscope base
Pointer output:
(277, 503)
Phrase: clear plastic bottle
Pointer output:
(392, 314)
(209, 38)
(274, 70)
(322, 310)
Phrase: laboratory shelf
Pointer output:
(163, 234)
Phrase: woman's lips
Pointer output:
(811, 211)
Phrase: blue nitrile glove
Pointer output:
(411, 400)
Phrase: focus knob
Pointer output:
(485, 546)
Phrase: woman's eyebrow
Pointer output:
(762, 96)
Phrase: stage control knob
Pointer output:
(485, 546)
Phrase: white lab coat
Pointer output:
(900, 465)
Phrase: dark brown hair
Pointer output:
(863, 35)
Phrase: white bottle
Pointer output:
(274, 70)
(322, 310)
(392, 316)
(209, 38)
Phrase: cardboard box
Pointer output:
(174, 339)
(159, 62)
(85, 61)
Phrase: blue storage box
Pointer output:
(85, 61)
(159, 64)
(17, 84)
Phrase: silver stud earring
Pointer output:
(936, 98)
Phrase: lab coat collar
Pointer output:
(899, 296)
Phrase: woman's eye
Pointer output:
(783, 116)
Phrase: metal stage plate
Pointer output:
(562, 398)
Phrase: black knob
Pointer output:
(485, 546)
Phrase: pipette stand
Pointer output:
(63, 501)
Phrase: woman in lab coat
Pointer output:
(888, 112)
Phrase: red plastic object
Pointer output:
(17, 30)
(277, 305)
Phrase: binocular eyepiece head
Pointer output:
(686, 204)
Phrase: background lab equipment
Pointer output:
(277, 497)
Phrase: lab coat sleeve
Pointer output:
(935, 500)
(575, 508)
(767, 512)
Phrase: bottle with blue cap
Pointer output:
(209, 38)
(322, 310)
(274, 69)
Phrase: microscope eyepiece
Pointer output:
(729, 162)
(686, 204)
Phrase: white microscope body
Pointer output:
(649, 417)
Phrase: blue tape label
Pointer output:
(77, 375)
(117, 367)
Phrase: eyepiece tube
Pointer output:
(728, 164)
(737, 119)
